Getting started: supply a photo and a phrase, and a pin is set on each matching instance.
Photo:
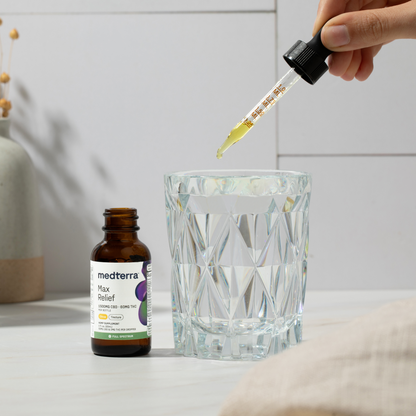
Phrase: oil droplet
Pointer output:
(237, 133)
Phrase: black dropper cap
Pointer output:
(308, 59)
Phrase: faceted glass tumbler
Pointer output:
(239, 246)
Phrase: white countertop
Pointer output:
(47, 367)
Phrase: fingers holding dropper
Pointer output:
(369, 27)
(367, 64)
(327, 9)
(358, 64)
(364, 27)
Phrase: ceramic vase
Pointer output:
(21, 259)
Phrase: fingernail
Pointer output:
(336, 36)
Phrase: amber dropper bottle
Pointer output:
(121, 274)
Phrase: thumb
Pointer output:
(362, 29)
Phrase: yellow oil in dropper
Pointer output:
(237, 133)
(261, 108)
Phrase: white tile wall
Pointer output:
(334, 116)
(109, 95)
(362, 221)
(135, 6)
(108, 103)
(363, 210)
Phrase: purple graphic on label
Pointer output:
(141, 295)
(141, 290)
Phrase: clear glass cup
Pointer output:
(239, 245)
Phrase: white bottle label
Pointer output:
(121, 300)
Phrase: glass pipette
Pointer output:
(259, 110)
(307, 61)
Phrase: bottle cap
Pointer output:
(308, 59)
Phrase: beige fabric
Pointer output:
(366, 368)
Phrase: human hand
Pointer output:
(357, 29)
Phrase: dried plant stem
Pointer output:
(7, 86)
(1, 61)
(1, 56)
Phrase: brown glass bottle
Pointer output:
(113, 303)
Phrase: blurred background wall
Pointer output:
(110, 95)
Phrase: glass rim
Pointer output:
(238, 173)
